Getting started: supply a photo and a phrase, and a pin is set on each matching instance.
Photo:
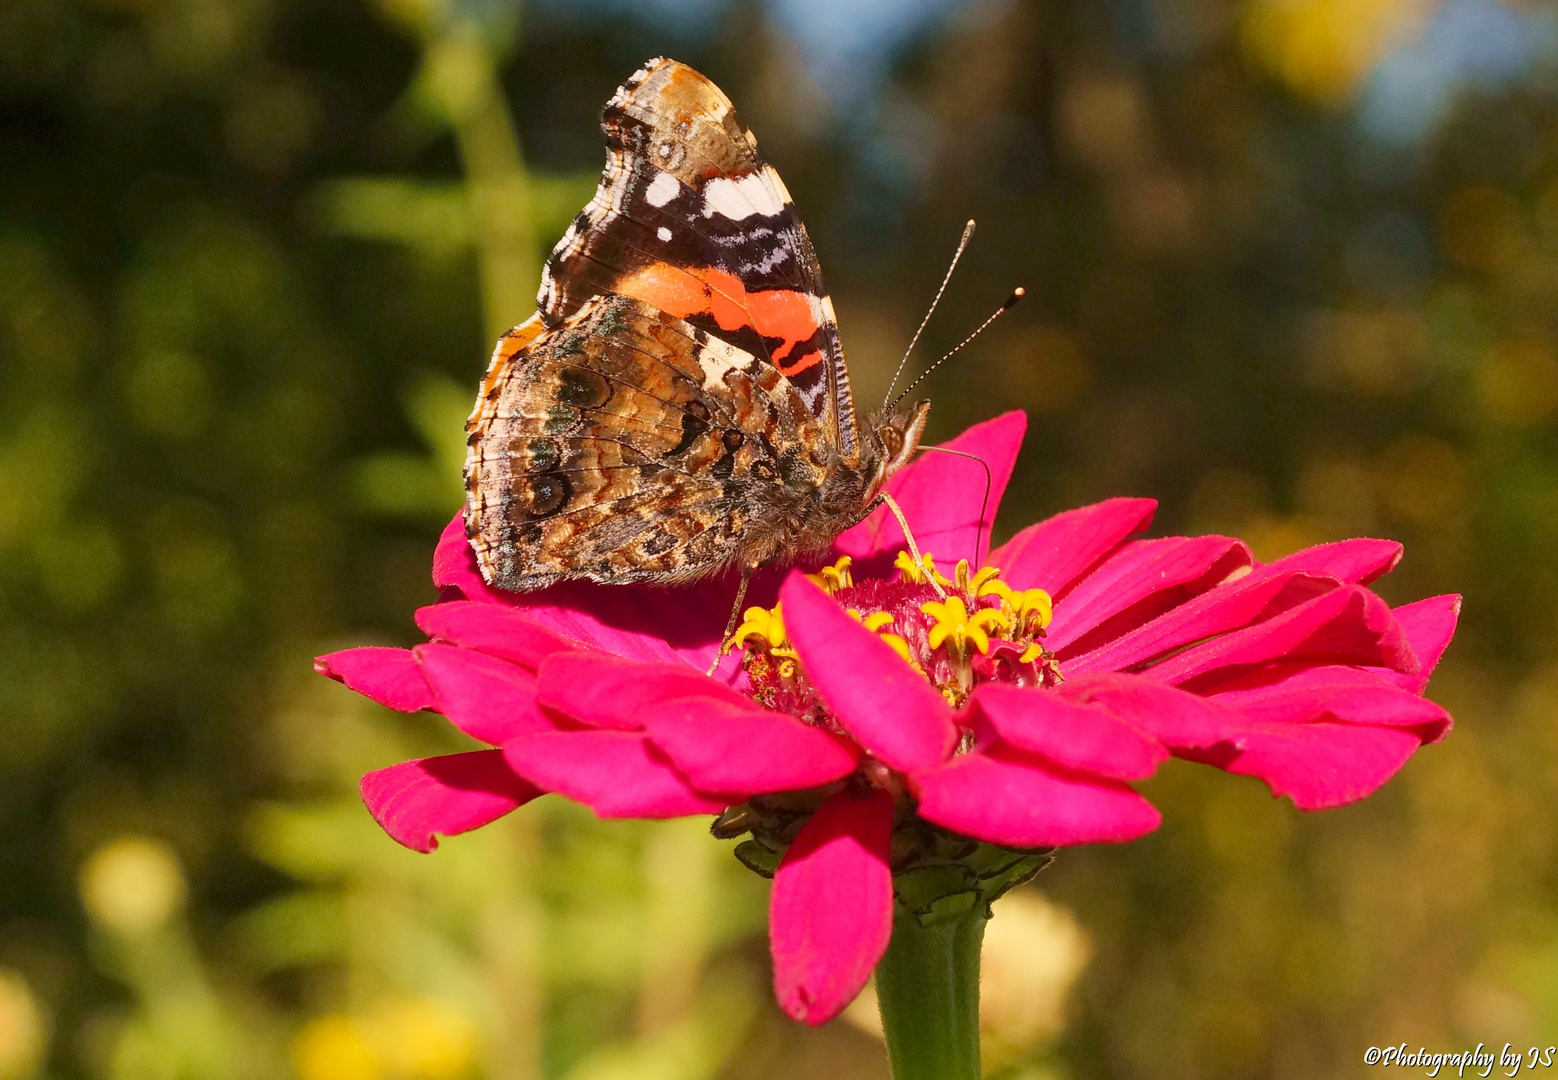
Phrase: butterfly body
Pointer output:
(678, 405)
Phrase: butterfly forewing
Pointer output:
(690, 218)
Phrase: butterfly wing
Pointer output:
(690, 218)
(626, 444)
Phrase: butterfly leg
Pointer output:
(735, 614)
(914, 549)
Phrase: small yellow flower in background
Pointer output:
(335, 1048)
(23, 1031)
(425, 1039)
(133, 885)
(400, 1039)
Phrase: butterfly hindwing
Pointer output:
(627, 445)
(688, 217)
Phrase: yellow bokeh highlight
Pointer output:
(1032, 955)
(425, 1039)
(1517, 382)
(23, 1031)
(1325, 49)
(335, 1048)
(398, 1039)
(133, 885)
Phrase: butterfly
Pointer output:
(678, 406)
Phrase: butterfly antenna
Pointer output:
(1017, 294)
(968, 231)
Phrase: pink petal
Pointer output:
(1005, 797)
(487, 698)
(1317, 765)
(1429, 625)
(1139, 582)
(454, 564)
(451, 794)
(1352, 562)
(1297, 694)
(1346, 625)
(741, 751)
(636, 621)
(608, 692)
(389, 676)
(942, 497)
(495, 629)
(1057, 551)
(1073, 735)
(1261, 594)
(674, 625)
(615, 773)
(831, 911)
(878, 698)
(1175, 717)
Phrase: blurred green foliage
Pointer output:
(253, 254)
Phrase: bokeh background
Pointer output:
(1292, 269)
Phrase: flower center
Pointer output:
(983, 630)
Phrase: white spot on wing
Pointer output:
(663, 233)
(662, 190)
(740, 199)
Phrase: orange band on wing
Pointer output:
(704, 290)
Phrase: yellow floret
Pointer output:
(833, 578)
(1032, 607)
(761, 623)
(994, 586)
(955, 624)
(917, 573)
(901, 647)
(876, 620)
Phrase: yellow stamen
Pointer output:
(993, 619)
(761, 623)
(961, 574)
(953, 623)
(1030, 654)
(878, 619)
(985, 575)
(916, 573)
(1032, 607)
(901, 647)
(994, 586)
(833, 578)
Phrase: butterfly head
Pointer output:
(893, 438)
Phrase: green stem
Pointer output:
(928, 987)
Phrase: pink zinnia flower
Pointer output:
(883, 742)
